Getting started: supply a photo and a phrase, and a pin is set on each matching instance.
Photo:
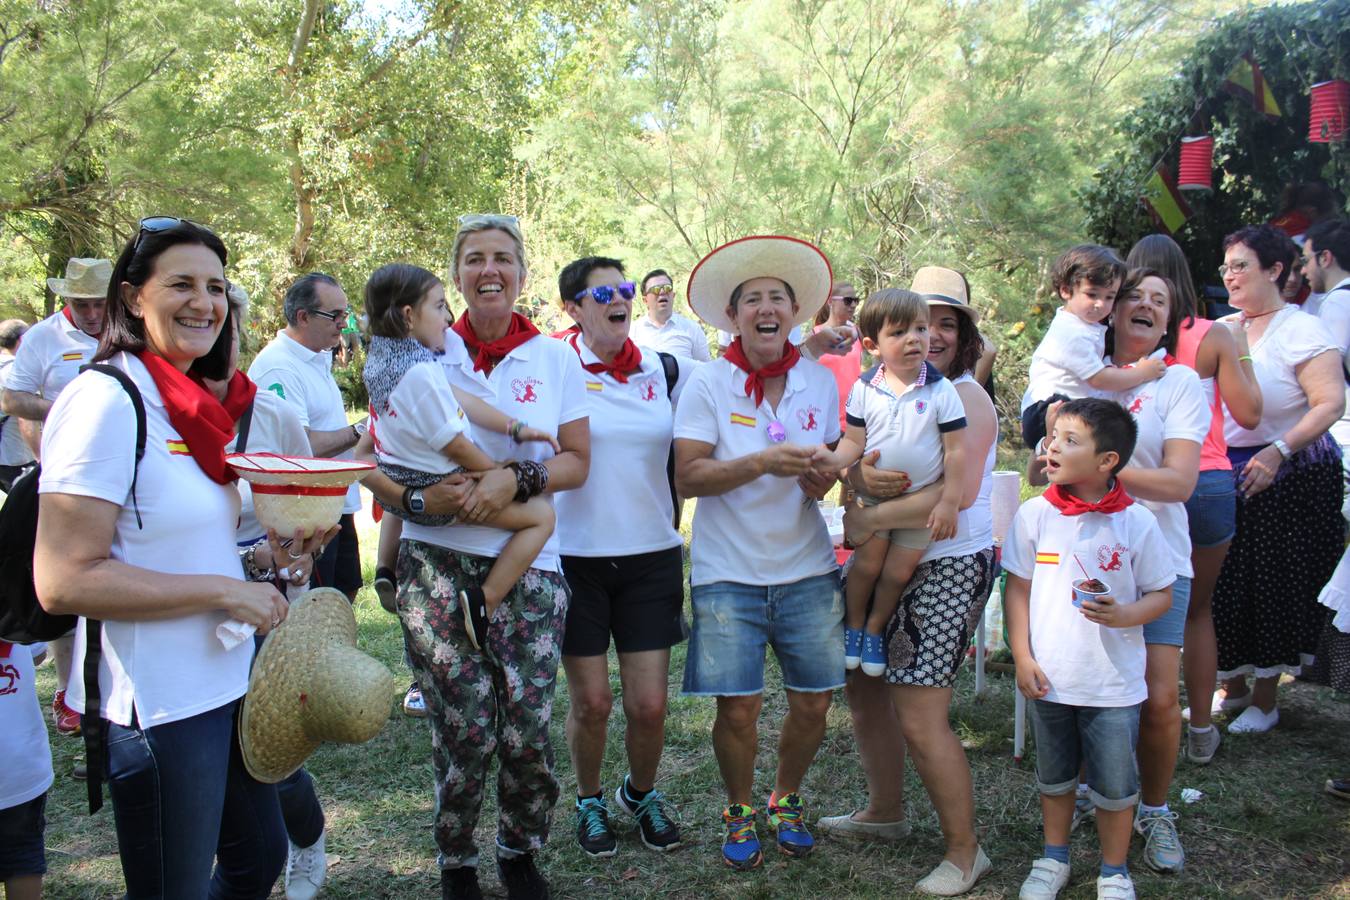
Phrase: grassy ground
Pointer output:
(1263, 829)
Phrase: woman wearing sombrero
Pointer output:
(764, 574)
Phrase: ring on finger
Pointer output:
(294, 555)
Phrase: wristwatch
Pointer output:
(413, 501)
(1281, 446)
(359, 428)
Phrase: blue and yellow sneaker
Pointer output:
(741, 850)
(787, 816)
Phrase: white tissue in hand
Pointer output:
(232, 633)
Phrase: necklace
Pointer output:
(1247, 319)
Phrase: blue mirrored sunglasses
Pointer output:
(604, 294)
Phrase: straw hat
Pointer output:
(85, 279)
(291, 492)
(944, 287)
(798, 263)
(311, 684)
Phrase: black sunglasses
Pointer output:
(156, 224)
(331, 315)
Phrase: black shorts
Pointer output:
(22, 850)
(639, 599)
(339, 565)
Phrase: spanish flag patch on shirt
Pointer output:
(72, 356)
(1047, 559)
(178, 448)
(738, 419)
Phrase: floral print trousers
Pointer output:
(480, 703)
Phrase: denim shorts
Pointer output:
(1212, 509)
(733, 623)
(1170, 627)
(1098, 738)
(22, 849)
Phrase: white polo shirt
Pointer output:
(168, 669)
(422, 416)
(13, 449)
(50, 356)
(1334, 311)
(1068, 355)
(624, 508)
(24, 745)
(1171, 408)
(1087, 664)
(540, 382)
(907, 428)
(1293, 337)
(304, 379)
(679, 336)
(275, 428)
(767, 531)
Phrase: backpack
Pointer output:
(22, 618)
(672, 370)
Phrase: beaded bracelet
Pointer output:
(514, 429)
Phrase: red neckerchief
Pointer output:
(627, 361)
(488, 353)
(65, 311)
(204, 423)
(755, 378)
(1115, 500)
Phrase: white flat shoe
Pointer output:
(848, 826)
(947, 881)
(1254, 721)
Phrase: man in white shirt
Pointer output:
(664, 329)
(14, 450)
(48, 359)
(297, 367)
(1326, 265)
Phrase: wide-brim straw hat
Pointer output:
(944, 287)
(291, 492)
(85, 279)
(311, 684)
(798, 263)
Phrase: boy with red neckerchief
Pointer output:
(1079, 645)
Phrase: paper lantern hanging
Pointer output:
(1329, 115)
(1195, 172)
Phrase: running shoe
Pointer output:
(657, 830)
(593, 831)
(787, 816)
(741, 850)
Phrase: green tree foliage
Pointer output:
(1296, 47)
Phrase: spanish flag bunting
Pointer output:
(1247, 82)
(178, 448)
(1164, 201)
(1047, 559)
(738, 419)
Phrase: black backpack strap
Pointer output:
(91, 724)
(241, 432)
(672, 369)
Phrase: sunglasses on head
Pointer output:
(488, 219)
(156, 224)
(604, 294)
(661, 289)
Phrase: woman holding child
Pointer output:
(927, 637)
(1290, 531)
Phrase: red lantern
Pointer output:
(1329, 115)
(1196, 169)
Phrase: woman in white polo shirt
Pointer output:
(748, 425)
(927, 637)
(154, 559)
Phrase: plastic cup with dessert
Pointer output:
(1088, 589)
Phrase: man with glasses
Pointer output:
(664, 329)
(1326, 265)
(297, 367)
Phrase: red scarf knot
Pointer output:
(488, 353)
(1115, 500)
(627, 361)
(204, 423)
(755, 378)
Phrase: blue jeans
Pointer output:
(181, 799)
(1099, 739)
(734, 623)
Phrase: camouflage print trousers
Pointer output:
(480, 703)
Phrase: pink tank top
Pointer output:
(1214, 451)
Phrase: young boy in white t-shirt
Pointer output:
(1087, 568)
(906, 409)
(1068, 361)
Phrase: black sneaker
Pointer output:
(521, 879)
(386, 588)
(474, 607)
(460, 884)
(593, 831)
(657, 830)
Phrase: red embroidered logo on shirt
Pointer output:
(920, 406)
(9, 680)
(523, 388)
(1138, 404)
(807, 418)
(647, 391)
(1111, 559)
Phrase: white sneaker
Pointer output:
(1117, 887)
(1254, 721)
(306, 868)
(1047, 878)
